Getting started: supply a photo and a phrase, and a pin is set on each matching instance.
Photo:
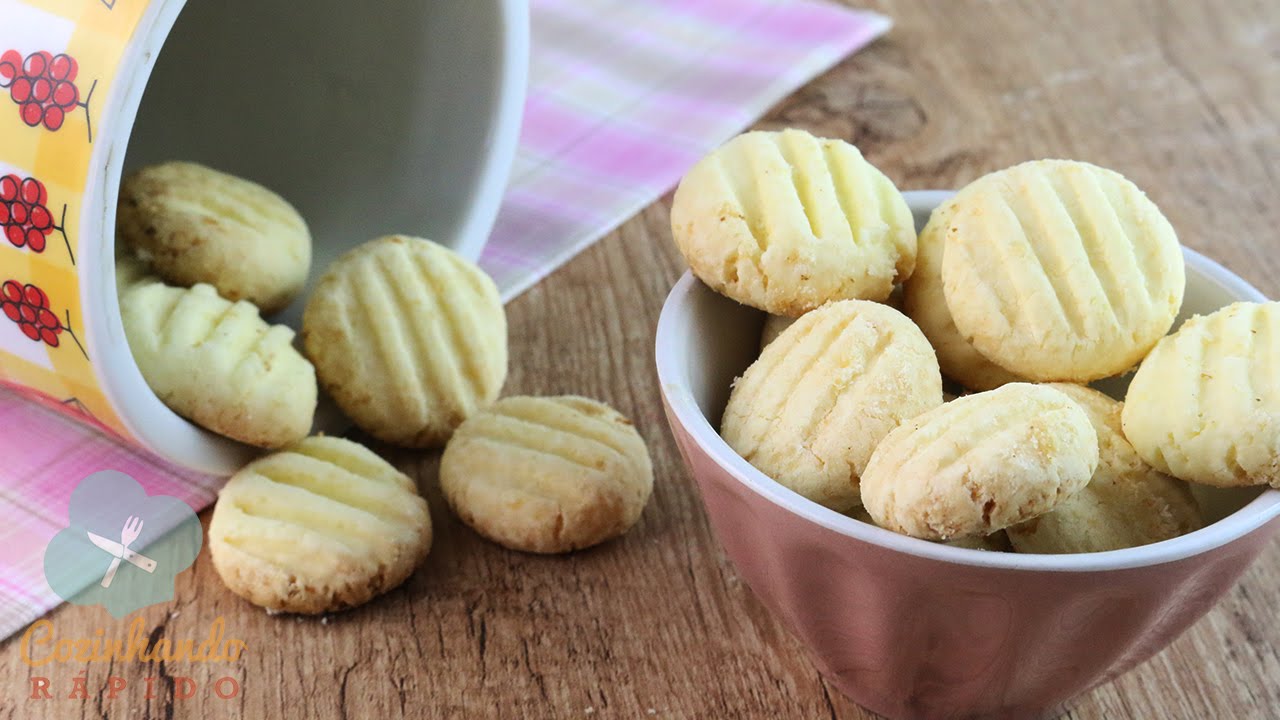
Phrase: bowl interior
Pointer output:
(706, 340)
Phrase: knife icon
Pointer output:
(120, 552)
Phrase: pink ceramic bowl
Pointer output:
(912, 629)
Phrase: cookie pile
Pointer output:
(1025, 286)
(410, 341)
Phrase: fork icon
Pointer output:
(130, 532)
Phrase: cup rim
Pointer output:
(683, 411)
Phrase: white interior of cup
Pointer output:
(705, 340)
(370, 118)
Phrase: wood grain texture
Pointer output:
(1180, 97)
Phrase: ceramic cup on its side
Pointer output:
(370, 118)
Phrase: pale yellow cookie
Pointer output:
(1060, 270)
(925, 303)
(775, 324)
(785, 222)
(193, 224)
(408, 337)
(323, 526)
(547, 474)
(814, 405)
(981, 463)
(218, 364)
(1205, 404)
(1127, 503)
(995, 542)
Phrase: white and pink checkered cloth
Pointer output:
(624, 97)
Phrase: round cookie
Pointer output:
(547, 474)
(408, 337)
(775, 324)
(193, 224)
(1127, 503)
(926, 304)
(218, 364)
(1205, 404)
(323, 526)
(1060, 270)
(813, 406)
(785, 222)
(981, 463)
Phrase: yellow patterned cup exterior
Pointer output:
(60, 65)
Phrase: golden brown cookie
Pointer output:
(1127, 503)
(218, 364)
(409, 338)
(323, 526)
(1061, 270)
(193, 225)
(547, 474)
(1205, 404)
(981, 463)
(814, 405)
(785, 222)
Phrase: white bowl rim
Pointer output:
(684, 407)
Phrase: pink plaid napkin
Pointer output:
(624, 97)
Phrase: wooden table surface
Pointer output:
(1181, 97)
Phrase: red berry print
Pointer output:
(36, 240)
(32, 113)
(43, 87)
(10, 67)
(36, 64)
(65, 95)
(54, 117)
(25, 217)
(35, 297)
(28, 306)
(20, 90)
(39, 217)
(32, 192)
(62, 67)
